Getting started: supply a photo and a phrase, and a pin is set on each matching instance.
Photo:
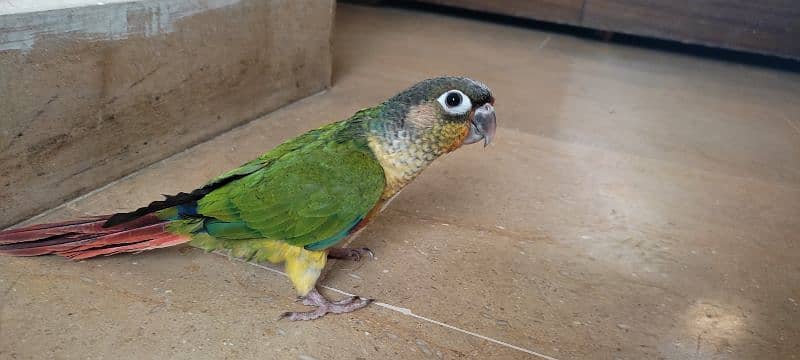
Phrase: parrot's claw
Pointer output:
(324, 306)
(354, 254)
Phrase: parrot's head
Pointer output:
(433, 117)
(447, 112)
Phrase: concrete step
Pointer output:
(89, 93)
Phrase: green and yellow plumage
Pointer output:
(293, 202)
(309, 193)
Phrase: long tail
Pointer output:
(81, 239)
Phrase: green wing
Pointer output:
(310, 191)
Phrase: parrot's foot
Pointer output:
(354, 254)
(324, 306)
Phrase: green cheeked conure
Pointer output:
(295, 203)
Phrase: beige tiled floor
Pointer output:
(637, 204)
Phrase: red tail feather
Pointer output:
(81, 239)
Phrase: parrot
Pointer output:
(296, 202)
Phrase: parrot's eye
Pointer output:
(455, 102)
(453, 99)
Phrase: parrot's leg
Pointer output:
(354, 254)
(324, 306)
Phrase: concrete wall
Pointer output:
(89, 94)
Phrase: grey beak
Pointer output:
(482, 125)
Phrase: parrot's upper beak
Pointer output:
(482, 125)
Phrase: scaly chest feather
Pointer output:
(404, 156)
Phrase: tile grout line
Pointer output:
(544, 42)
(792, 125)
(402, 310)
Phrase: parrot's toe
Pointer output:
(303, 316)
(348, 300)
(354, 254)
(312, 299)
(325, 306)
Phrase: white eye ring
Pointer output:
(454, 102)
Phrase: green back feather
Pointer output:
(309, 191)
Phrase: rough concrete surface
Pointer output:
(23, 6)
(636, 205)
(90, 94)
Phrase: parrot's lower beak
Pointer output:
(482, 125)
